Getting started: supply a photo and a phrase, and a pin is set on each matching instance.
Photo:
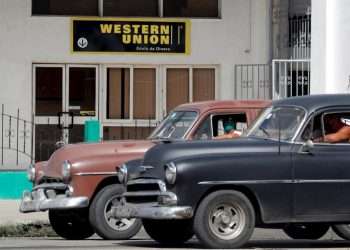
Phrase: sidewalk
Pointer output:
(9, 214)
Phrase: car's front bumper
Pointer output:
(150, 211)
(149, 199)
(44, 197)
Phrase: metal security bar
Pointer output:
(300, 36)
(16, 139)
(253, 81)
(290, 78)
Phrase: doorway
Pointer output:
(64, 97)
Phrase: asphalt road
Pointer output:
(262, 239)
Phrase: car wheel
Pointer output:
(101, 219)
(342, 230)
(169, 232)
(306, 231)
(71, 224)
(224, 219)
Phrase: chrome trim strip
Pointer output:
(141, 193)
(144, 181)
(148, 193)
(54, 185)
(323, 181)
(246, 182)
(160, 183)
(272, 182)
(95, 173)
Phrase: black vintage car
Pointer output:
(281, 174)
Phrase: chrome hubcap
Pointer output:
(116, 224)
(227, 221)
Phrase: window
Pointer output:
(328, 128)
(277, 123)
(130, 8)
(48, 90)
(119, 85)
(190, 8)
(144, 93)
(118, 97)
(313, 129)
(134, 104)
(82, 91)
(204, 131)
(175, 125)
(203, 84)
(179, 85)
(215, 125)
(221, 122)
(65, 7)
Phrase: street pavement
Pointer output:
(262, 239)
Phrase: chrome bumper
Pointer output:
(160, 205)
(157, 212)
(37, 200)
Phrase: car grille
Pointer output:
(50, 180)
(144, 190)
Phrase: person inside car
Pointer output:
(230, 132)
(337, 130)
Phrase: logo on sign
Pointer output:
(82, 42)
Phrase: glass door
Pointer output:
(81, 99)
(64, 97)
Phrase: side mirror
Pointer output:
(306, 147)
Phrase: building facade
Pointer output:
(127, 63)
(47, 78)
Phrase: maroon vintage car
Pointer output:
(78, 184)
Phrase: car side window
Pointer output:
(313, 129)
(328, 127)
(225, 123)
(219, 124)
(336, 128)
(204, 130)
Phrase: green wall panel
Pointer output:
(12, 184)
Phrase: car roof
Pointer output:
(315, 102)
(224, 104)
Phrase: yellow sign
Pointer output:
(131, 35)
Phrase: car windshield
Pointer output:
(175, 125)
(277, 123)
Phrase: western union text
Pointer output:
(139, 33)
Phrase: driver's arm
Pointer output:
(341, 135)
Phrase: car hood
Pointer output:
(158, 156)
(94, 154)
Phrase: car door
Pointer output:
(322, 178)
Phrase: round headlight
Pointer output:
(66, 170)
(31, 172)
(122, 174)
(170, 173)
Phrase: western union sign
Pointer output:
(131, 35)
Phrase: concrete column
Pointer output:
(330, 50)
(280, 10)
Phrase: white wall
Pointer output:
(234, 39)
(330, 50)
